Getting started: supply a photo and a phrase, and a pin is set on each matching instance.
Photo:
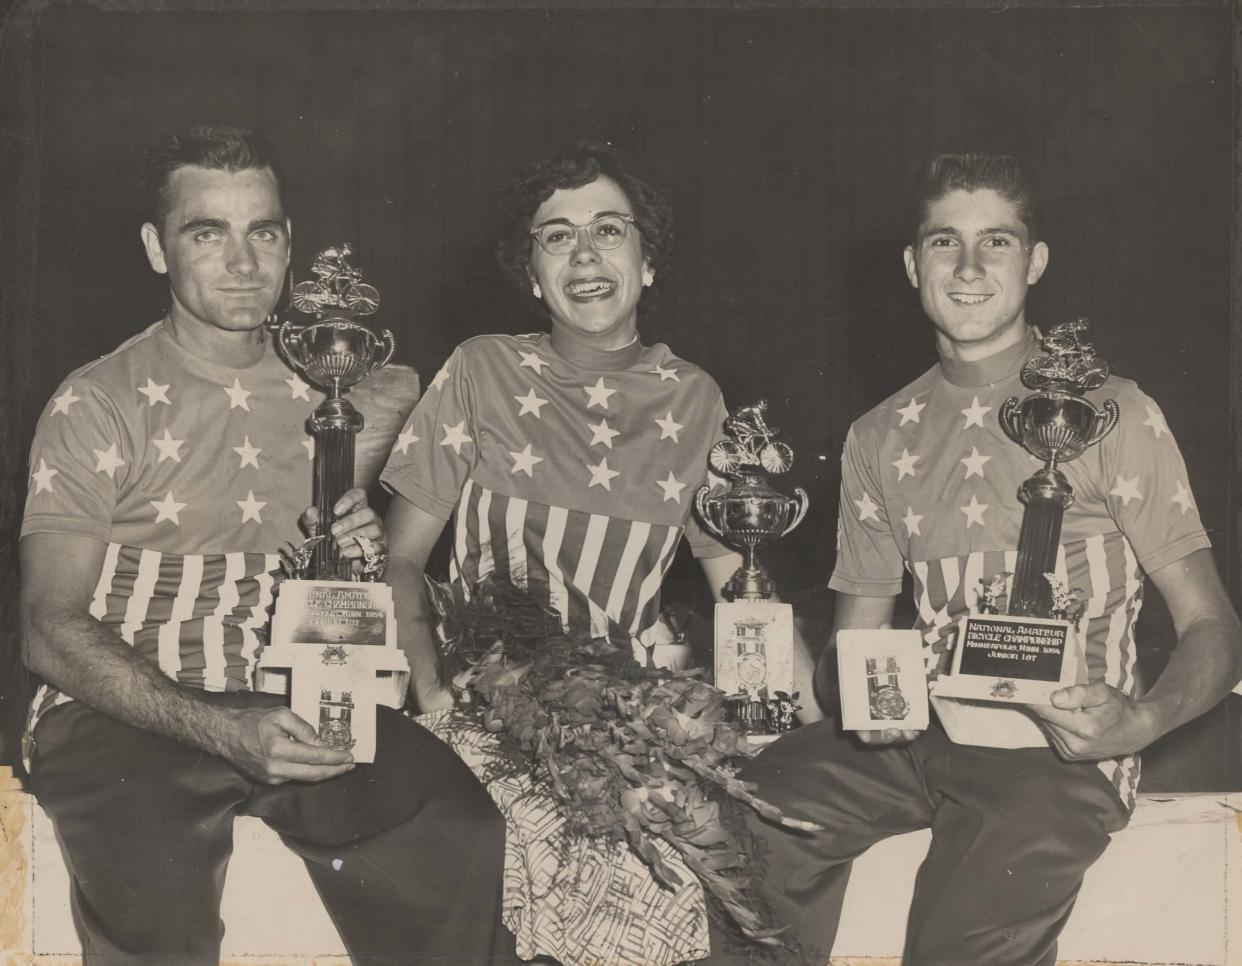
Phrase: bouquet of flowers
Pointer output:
(629, 754)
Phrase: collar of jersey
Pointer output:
(588, 357)
(995, 368)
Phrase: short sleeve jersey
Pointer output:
(567, 470)
(929, 483)
(194, 474)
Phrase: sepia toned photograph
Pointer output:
(608, 370)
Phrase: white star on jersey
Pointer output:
(866, 508)
(672, 489)
(531, 404)
(167, 509)
(525, 461)
(249, 454)
(441, 378)
(974, 463)
(1183, 499)
(974, 511)
(665, 374)
(601, 475)
(910, 413)
(1126, 489)
(297, 388)
(531, 360)
(64, 401)
(168, 447)
(912, 520)
(455, 436)
(601, 432)
(597, 395)
(108, 461)
(250, 507)
(669, 427)
(974, 414)
(404, 440)
(1155, 419)
(237, 395)
(905, 465)
(155, 392)
(43, 478)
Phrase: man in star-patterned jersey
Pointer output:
(568, 459)
(165, 478)
(1021, 800)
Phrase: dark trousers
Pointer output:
(1013, 832)
(407, 853)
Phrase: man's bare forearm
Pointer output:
(1204, 667)
(88, 662)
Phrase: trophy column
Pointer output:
(334, 425)
(1046, 496)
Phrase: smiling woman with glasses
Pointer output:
(567, 461)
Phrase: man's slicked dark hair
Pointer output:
(575, 166)
(1006, 175)
(219, 148)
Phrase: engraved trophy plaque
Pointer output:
(1023, 645)
(753, 633)
(334, 631)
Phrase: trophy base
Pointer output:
(334, 651)
(754, 660)
(1013, 660)
(882, 680)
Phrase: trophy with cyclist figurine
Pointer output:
(333, 632)
(753, 632)
(1024, 642)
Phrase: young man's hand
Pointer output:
(1086, 722)
(887, 736)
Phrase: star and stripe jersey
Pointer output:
(193, 474)
(929, 483)
(566, 470)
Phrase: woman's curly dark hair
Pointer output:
(575, 166)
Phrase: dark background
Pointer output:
(783, 137)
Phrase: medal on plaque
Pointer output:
(754, 634)
(334, 632)
(881, 679)
(1024, 643)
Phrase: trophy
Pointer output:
(334, 352)
(333, 631)
(1023, 645)
(754, 634)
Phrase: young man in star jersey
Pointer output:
(1020, 800)
(165, 479)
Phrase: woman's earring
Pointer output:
(536, 290)
(648, 277)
